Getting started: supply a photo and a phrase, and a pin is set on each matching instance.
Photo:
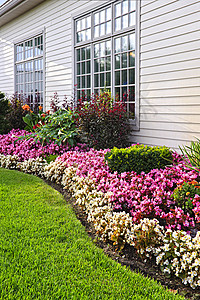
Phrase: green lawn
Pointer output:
(46, 254)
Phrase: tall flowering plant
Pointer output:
(32, 119)
(103, 121)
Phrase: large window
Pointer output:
(29, 69)
(105, 52)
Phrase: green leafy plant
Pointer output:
(191, 155)
(138, 158)
(58, 127)
(184, 195)
(103, 121)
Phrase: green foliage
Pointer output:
(46, 254)
(184, 195)
(58, 127)
(138, 158)
(191, 155)
(51, 157)
(4, 108)
(103, 121)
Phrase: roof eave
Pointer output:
(12, 9)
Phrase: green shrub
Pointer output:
(138, 158)
(4, 108)
(103, 121)
(184, 195)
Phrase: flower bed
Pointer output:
(25, 149)
(128, 208)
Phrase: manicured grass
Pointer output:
(46, 254)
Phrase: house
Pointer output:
(148, 49)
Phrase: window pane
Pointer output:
(117, 78)
(108, 79)
(88, 82)
(102, 29)
(96, 78)
(118, 24)
(96, 18)
(78, 69)
(131, 59)
(88, 67)
(132, 76)
(125, 21)
(96, 50)
(83, 54)
(102, 16)
(88, 22)
(108, 27)
(117, 45)
(102, 80)
(108, 14)
(125, 43)
(102, 64)
(83, 68)
(83, 23)
(124, 60)
(88, 52)
(102, 49)
(108, 63)
(78, 82)
(108, 48)
(78, 57)
(118, 10)
(125, 7)
(96, 31)
(131, 42)
(132, 19)
(78, 25)
(124, 77)
(117, 61)
(132, 4)
(88, 34)
(83, 81)
(96, 65)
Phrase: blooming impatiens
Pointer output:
(28, 148)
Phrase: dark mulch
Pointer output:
(128, 256)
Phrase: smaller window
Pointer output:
(29, 69)
(124, 14)
(83, 28)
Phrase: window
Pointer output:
(105, 52)
(29, 69)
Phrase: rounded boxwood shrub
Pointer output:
(138, 158)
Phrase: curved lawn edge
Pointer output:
(46, 253)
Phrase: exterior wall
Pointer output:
(169, 62)
(169, 72)
(55, 16)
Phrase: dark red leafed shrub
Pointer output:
(103, 121)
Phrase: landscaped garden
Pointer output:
(144, 198)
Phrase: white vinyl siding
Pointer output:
(169, 72)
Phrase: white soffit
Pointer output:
(12, 9)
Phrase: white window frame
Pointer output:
(90, 9)
(23, 40)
